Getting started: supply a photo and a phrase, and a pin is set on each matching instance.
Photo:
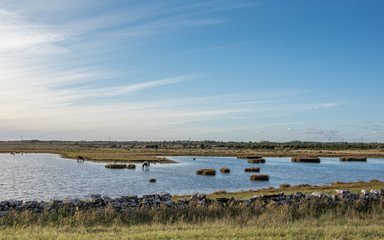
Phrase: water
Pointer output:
(47, 176)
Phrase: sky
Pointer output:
(225, 70)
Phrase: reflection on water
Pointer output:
(47, 176)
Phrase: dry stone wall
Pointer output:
(159, 200)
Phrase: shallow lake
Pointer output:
(47, 176)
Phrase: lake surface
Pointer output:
(47, 176)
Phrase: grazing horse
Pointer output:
(145, 165)
(80, 159)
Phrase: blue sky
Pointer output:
(176, 70)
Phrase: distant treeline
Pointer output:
(207, 144)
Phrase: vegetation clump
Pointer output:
(259, 160)
(225, 170)
(206, 171)
(131, 166)
(116, 165)
(306, 159)
(285, 185)
(152, 180)
(260, 177)
(252, 169)
(353, 159)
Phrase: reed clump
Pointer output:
(259, 160)
(131, 166)
(152, 180)
(206, 171)
(225, 170)
(306, 159)
(116, 166)
(353, 159)
(252, 169)
(259, 177)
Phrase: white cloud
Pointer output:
(20, 36)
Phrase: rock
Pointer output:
(222, 200)
(255, 197)
(381, 191)
(341, 192)
(14, 203)
(93, 196)
(4, 213)
(365, 192)
(168, 203)
(4, 203)
(318, 194)
(375, 192)
(116, 205)
(298, 194)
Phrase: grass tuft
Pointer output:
(152, 180)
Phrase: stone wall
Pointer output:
(155, 201)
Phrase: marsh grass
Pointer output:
(131, 166)
(225, 170)
(259, 177)
(260, 160)
(252, 169)
(152, 180)
(206, 171)
(353, 159)
(116, 166)
(306, 159)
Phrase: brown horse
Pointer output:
(80, 159)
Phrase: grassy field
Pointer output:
(270, 222)
(142, 151)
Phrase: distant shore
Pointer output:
(150, 151)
